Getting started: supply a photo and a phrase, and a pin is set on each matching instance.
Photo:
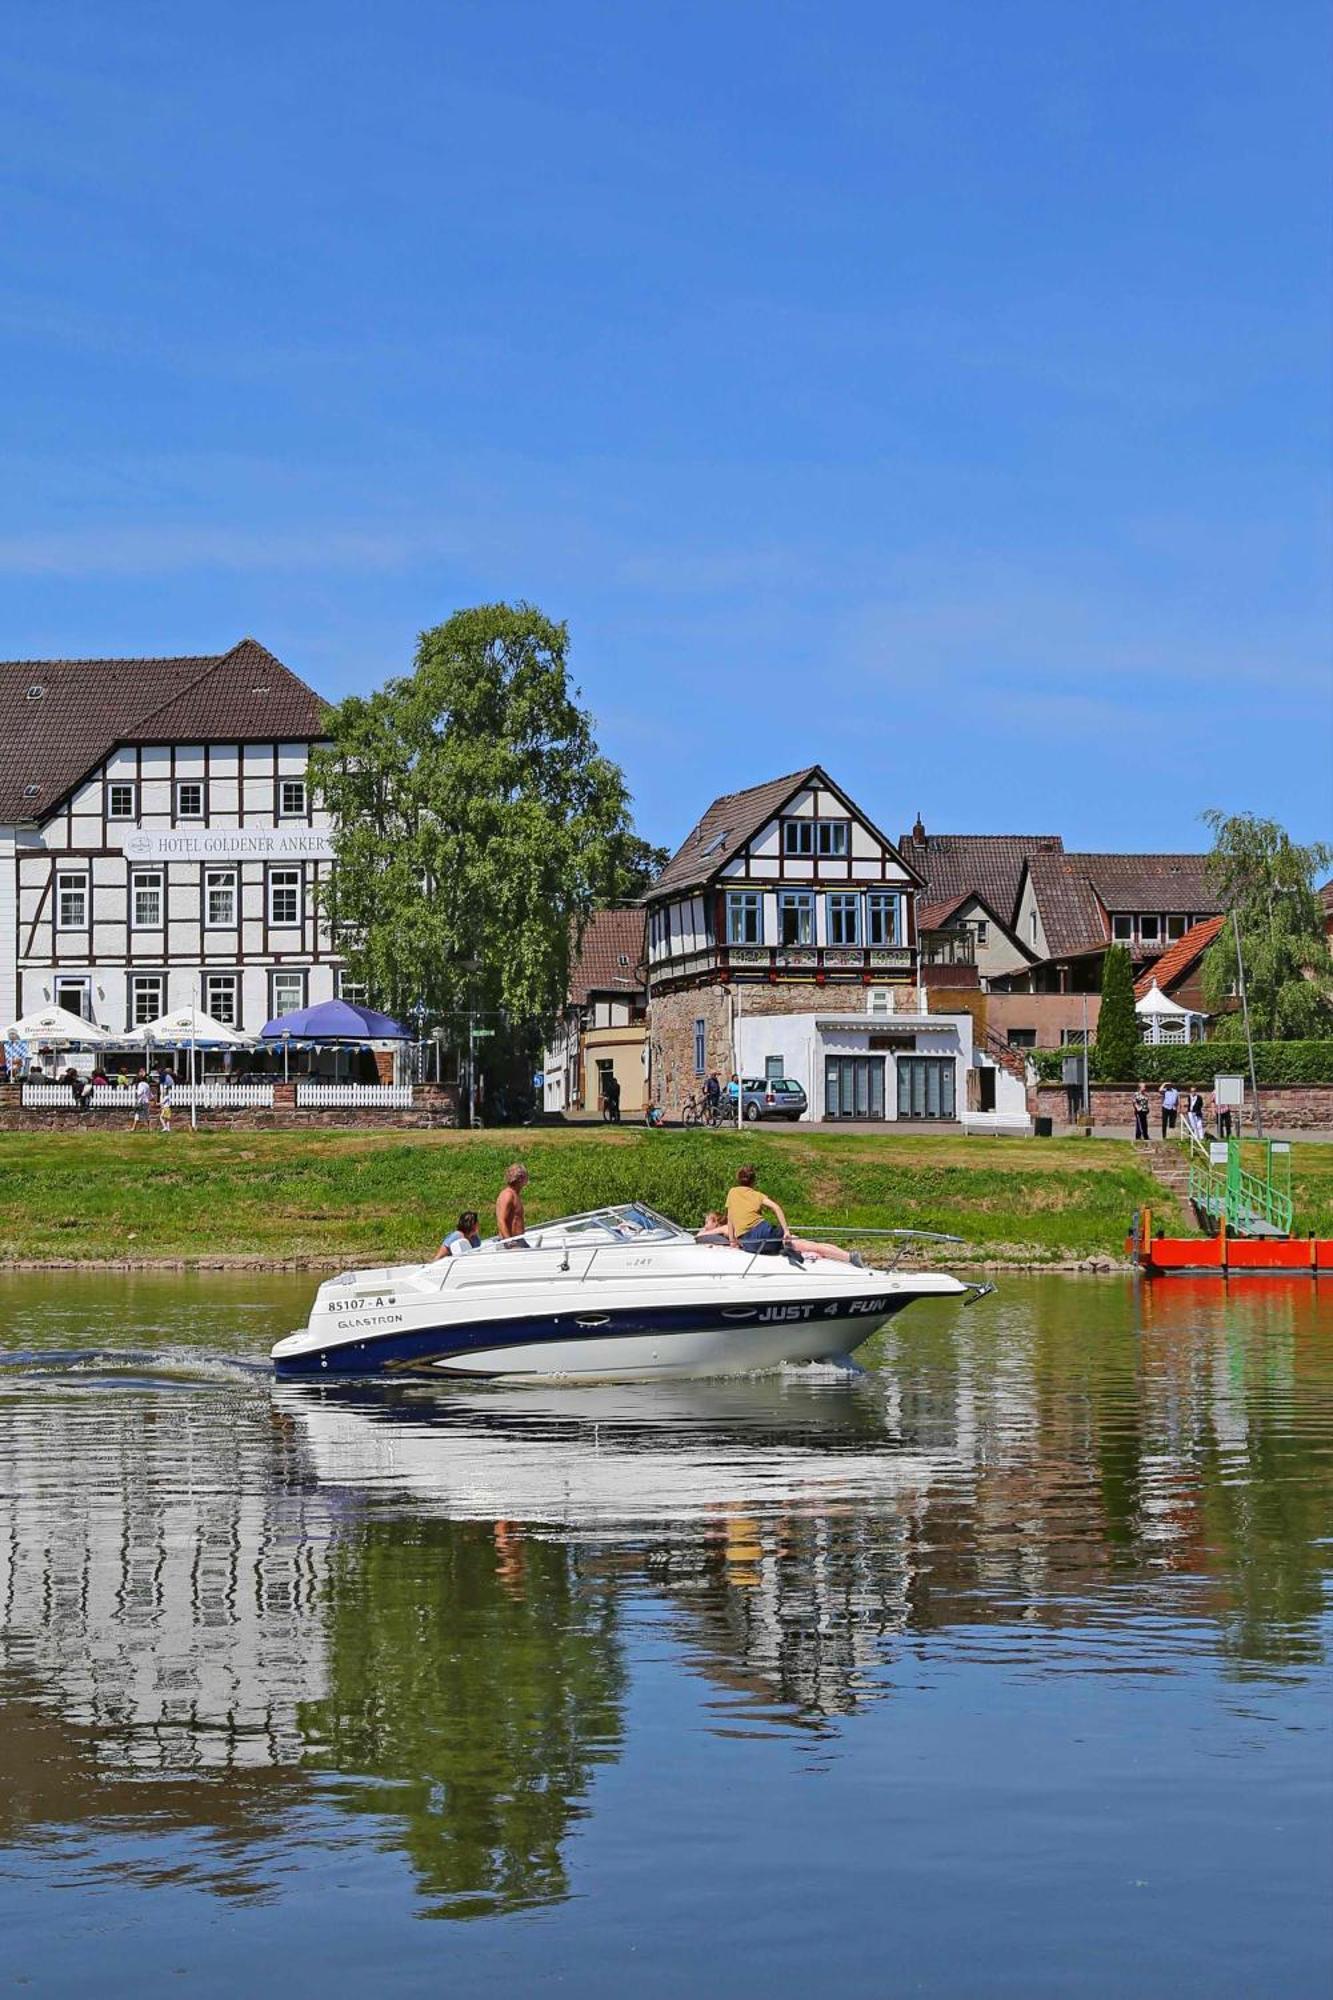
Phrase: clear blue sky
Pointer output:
(939, 391)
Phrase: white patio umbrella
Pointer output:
(189, 1027)
(185, 1025)
(58, 1025)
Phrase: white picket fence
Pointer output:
(224, 1096)
(108, 1097)
(319, 1096)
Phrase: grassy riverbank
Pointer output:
(331, 1197)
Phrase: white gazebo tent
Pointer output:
(1162, 1019)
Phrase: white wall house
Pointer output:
(159, 844)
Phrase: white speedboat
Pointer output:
(620, 1293)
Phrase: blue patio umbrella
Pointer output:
(332, 1021)
(335, 1021)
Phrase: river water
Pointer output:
(1001, 1668)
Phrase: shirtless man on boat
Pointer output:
(509, 1219)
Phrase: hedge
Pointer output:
(1200, 1062)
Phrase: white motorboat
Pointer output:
(616, 1294)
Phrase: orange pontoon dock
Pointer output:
(1229, 1256)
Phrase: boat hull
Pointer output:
(633, 1344)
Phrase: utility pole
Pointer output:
(1245, 1017)
(1087, 1089)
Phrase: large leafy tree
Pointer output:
(475, 821)
(1118, 1039)
(1266, 880)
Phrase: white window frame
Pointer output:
(128, 785)
(278, 883)
(72, 883)
(845, 903)
(190, 785)
(354, 991)
(286, 811)
(221, 881)
(229, 982)
(142, 982)
(802, 901)
(290, 977)
(878, 902)
(1153, 936)
(148, 882)
(700, 1047)
(879, 1000)
(1176, 927)
(1122, 930)
(742, 905)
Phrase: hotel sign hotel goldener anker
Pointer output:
(159, 845)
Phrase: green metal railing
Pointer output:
(1249, 1204)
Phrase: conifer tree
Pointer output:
(1118, 1040)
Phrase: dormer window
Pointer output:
(35, 692)
(1122, 929)
(1150, 929)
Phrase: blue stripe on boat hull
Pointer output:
(430, 1349)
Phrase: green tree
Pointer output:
(638, 866)
(1118, 1040)
(1266, 881)
(475, 821)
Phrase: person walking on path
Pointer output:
(611, 1098)
(509, 1218)
(1141, 1112)
(166, 1090)
(143, 1103)
(713, 1096)
(1170, 1107)
(1194, 1115)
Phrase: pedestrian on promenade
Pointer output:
(509, 1217)
(166, 1090)
(1141, 1112)
(611, 1098)
(1170, 1108)
(1194, 1115)
(1221, 1118)
(143, 1103)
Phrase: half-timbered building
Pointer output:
(159, 844)
(782, 939)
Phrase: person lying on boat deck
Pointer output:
(462, 1238)
(748, 1228)
(509, 1205)
(715, 1231)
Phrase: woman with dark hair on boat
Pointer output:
(461, 1239)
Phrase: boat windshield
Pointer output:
(630, 1222)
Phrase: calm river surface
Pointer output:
(1001, 1669)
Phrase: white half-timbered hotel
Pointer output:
(158, 841)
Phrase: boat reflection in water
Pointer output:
(242, 1617)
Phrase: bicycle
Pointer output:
(692, 1113)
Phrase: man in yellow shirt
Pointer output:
(748, 1228)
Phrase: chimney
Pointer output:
(919, 831)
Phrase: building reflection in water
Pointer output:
(411, 1615)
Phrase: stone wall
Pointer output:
(1288, 1107)
(671, 1019)
(433, 1105)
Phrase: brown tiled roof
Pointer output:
(989, 864)
(1326, 898)
(1071, 917)
(49, 741)
(1178, 957)
(934, 916)
(1162, 882)
(731, 820)
(610, 956)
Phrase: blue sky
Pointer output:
(936, 392)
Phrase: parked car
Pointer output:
(769, 1097)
